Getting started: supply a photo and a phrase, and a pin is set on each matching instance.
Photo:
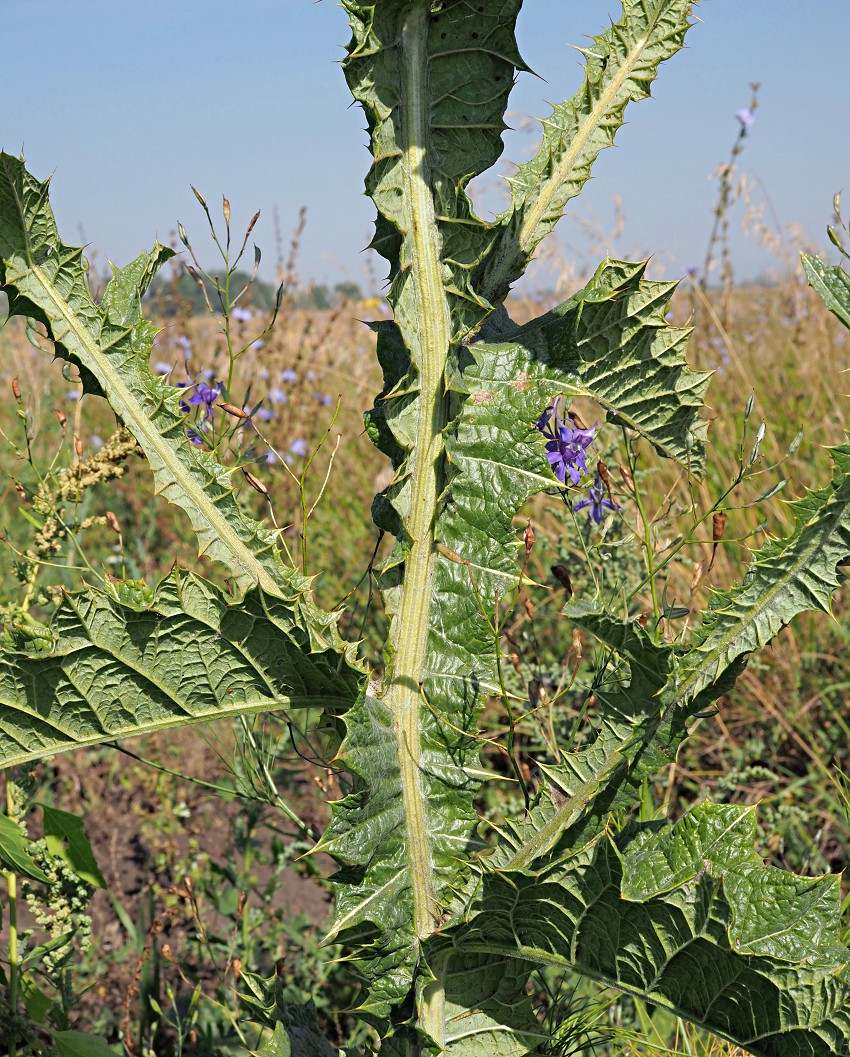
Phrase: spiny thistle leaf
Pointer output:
(785, 578)
(111, 344)
(114, 667)
(621, 65)
(435, 123)
(688, 918)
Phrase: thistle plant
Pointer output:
(443, 914)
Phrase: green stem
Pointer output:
(12, 889)
(429, 343)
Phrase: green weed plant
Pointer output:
(470, 921)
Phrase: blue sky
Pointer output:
(129, 103)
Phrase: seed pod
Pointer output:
(16, 389)
(628, 480)
(166, 952)
(529, 609)
(225, 208)
(718, 527)
(563, 577)
(255, 482)
(528, 537)
(696, 576)
(78, 447)
(199, 196)
(63, 422)
(237, 968)
(254, 220)
(113, 522)
(232, 409)
(577, 419)
(514, 659)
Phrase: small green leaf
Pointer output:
(277, 1046)
(770, 493)
(81, 1044)
(14, 851)
(66, 839)
(833, 285)
(36, 1002)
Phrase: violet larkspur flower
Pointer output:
(205, 396)
(598, 502)
(241, 315)
(194, 437)
(161, 367)
(566, 445)
(278, 396)
(298, 447)
(264, 414)
(288, 375)
(745, 116)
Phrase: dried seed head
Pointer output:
(696, 576)
(237, 968)
(528, 537)
(577, 419)
(16, 389)
(602, 470)
(19, 488)
(529, 609)
(78, 447)
(63, 422)
(718, 526)
(254, 220)
(166, 952)
(628, 480)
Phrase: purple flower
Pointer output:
(288, 375)
(264, 414)
(194, 437)
(72, 394)
(598, 503)
(185, 345)
(208, 373)
(204, 396)
(745, 116)
(272, 456)
(241, 315)
(278, 396)
(325, 400)
(96, 441)
(257, 344)
(298, 447)
(566, 445)
(161, 367)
